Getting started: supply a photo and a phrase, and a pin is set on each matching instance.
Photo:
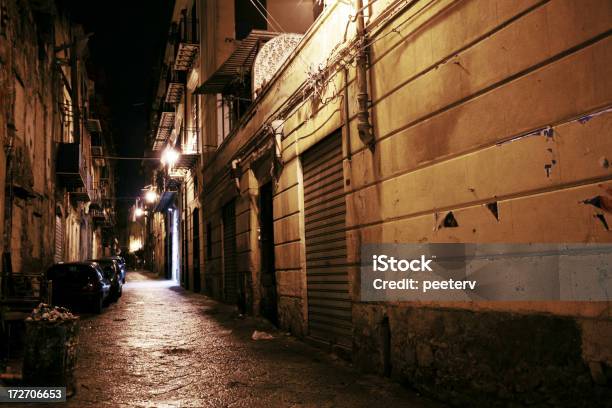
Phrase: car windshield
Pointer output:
(72, 273)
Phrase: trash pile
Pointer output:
(47, 313)
(261, 335)
(50, 348)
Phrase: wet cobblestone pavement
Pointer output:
(161, 346)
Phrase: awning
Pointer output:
(165, 201)
(240, 61)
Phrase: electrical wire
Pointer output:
(343, 58)
(347, 55)
(129, 158)
(272, 17)
(265, 14)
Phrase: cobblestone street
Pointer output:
(161, 346)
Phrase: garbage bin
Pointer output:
(50, 352)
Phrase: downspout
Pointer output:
(74, 87)
(347, 123)
(364, 126)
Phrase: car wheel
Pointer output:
(98, 304)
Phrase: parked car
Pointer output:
(76, 284)
(122, 266)
(112, 272)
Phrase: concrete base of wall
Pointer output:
(290, 315)
(485, 359)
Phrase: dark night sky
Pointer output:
(125, 53)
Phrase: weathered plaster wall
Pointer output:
(31, 125)
(26, 127)
(297, 14)
(450, 84)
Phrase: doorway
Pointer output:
(175, 251)
(185, 252)
(268, 307)
(329, 301)
(230, 278)
(196, 249)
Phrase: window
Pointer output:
(188, 26)
(231, 106)
(248, 18)
(194, 137)
(223, 118)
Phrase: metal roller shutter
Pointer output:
(329, 304)
(230, 281)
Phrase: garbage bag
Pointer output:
(261, 335)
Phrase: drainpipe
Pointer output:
(74, 87)
(363, 116)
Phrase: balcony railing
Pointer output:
(104, 217)
(164, 129)
(97, 214)
(96, 198)
(176, 86)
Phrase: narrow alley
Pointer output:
(161, 346)
(306, 203)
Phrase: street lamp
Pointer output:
(138, 212)
(169, 156)
(150, 196)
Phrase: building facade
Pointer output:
(320, 129)
(58, 196)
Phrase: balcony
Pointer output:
(102, 217)
(109, 219)
(69, 165)
(81, 194)
(187, 45)
(164, 130)
(97, 193)
(97, 144)
(239, 64)
(93, 126)
(186, 161)
(176, 87)
(97, 215)
(71, 171)
(189, 151)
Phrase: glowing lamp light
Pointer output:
(151, 196)
(135, 244)
(169, 156)
(138, 212)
